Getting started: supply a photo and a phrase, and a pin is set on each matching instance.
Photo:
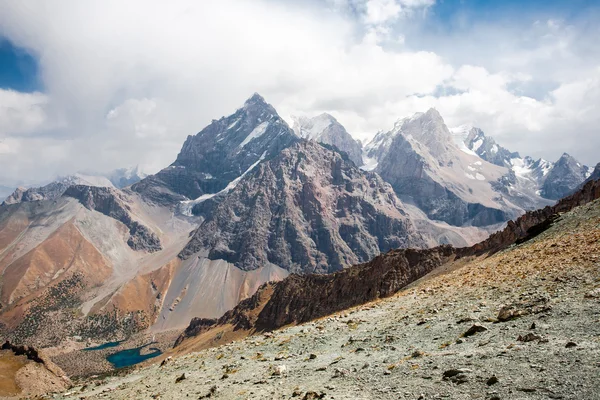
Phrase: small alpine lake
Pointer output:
(129, 357)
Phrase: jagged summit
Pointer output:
(220, 153)
(255, 99)
(564, 177)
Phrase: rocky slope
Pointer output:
(219, 154)
(326, 129)
(521, 323)
(114, 204)
(65, 263)
(27, 371)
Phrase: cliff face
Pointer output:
(298, 299)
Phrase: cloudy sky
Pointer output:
(96, 85)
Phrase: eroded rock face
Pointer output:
(301, 298)
(534, 222)
(58, 378)
(112, 203)
(307, 210)
(220, 153)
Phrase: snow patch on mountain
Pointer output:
(256, 133)
(187, 205)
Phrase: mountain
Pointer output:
(6, 191)
(564, 177)
(421, 161)
(65, 261)
(528, 177)
(220, 153)
(246, 202)
(56, 188)
(326, 129)
(306, 210)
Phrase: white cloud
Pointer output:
(379, 11)
(21, 113)
(126, 85)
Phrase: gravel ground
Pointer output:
(522, 324)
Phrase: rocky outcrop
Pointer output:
(298, 299)
(196, 326)
(38, 357)
(301, 298)
(219, 154)
(112, 203)
(307, 210)
(48, 192)
(326, 129)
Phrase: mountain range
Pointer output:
(249, 200)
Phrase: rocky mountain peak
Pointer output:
(487, 148)
(255, 99)
(220, 153)
(324, 128)
(428, 130)
(257, 107)
(564, 177)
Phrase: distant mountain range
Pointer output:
(249, 200)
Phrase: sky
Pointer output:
(94, 86)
